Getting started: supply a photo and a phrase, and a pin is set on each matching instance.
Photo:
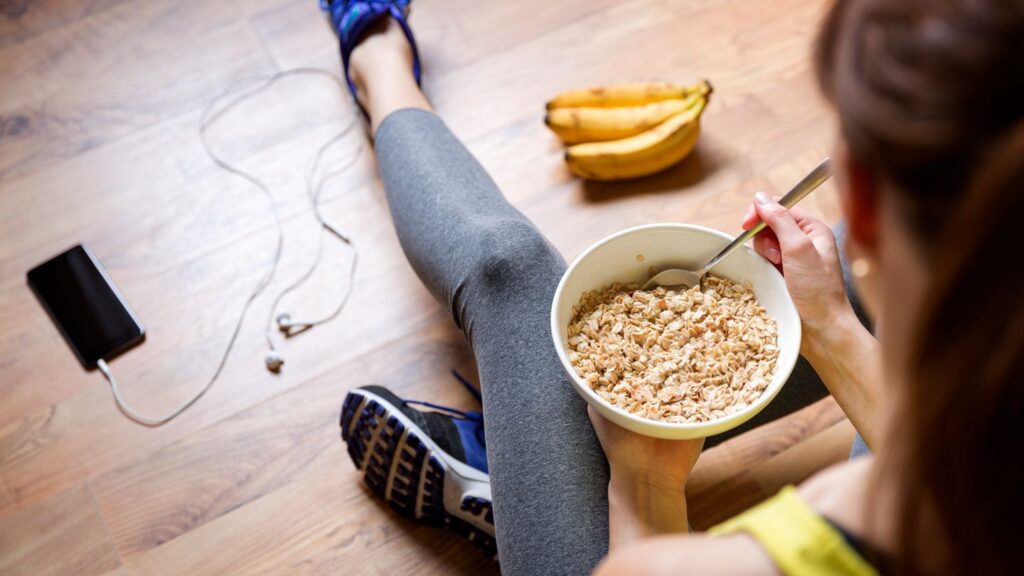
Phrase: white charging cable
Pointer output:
(208, 118)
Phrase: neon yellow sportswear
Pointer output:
(797, 538)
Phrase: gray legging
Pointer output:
(497, 273)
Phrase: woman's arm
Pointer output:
(699, 555)
(849, 362)
(641, 508)
(843, 353)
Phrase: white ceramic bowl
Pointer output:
(626, 257)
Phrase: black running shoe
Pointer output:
(428, 466)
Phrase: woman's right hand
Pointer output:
(804, 249)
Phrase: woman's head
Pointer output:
(923, 88)
(930, 100)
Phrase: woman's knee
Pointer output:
(513, 251)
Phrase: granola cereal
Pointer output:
(677, 356)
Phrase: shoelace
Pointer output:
(475, 416)
(469, 385)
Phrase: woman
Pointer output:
(929, 167)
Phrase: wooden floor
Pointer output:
(99, 102)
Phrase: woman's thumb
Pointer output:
(778, 218)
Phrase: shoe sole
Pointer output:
(417, 479)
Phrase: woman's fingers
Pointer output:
(805, 221)
(750, 218)
(767, 245)
(792, 238)
(800, 215)
(819, 232)
(789, 230)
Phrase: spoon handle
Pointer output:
(804, 187)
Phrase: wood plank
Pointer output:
(63, 534)
(631, 41)
(22, 20)
(159, 184)
(745, 451)
(276, 451)
(725, 499)
(338, 530)
(804, 459)
(86, 83)
(220, 468)
(450, 34)
(6, 499)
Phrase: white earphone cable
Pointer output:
(314, 196)
(208, 118)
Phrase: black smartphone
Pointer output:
(86, 306)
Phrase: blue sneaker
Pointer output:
(429, 466)
(351, 18)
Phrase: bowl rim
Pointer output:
(580, 385)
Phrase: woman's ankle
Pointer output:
(401, 94)
(382, 52)
(381, 67)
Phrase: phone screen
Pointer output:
(86, 306)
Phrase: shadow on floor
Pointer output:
(457, 554)
(699, 165)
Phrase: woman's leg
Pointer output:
(486, 261)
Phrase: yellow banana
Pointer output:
(625, 95)
(652, 151)
(588, 124)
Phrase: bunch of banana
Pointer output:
(627, 131)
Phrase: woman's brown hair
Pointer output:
(930, 98)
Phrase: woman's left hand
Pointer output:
(648, 475)
(635, 458)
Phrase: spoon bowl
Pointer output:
(675, 278)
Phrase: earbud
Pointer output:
(274, 361)
(284, 322)
(290, 328)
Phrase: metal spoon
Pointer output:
(678, 277)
